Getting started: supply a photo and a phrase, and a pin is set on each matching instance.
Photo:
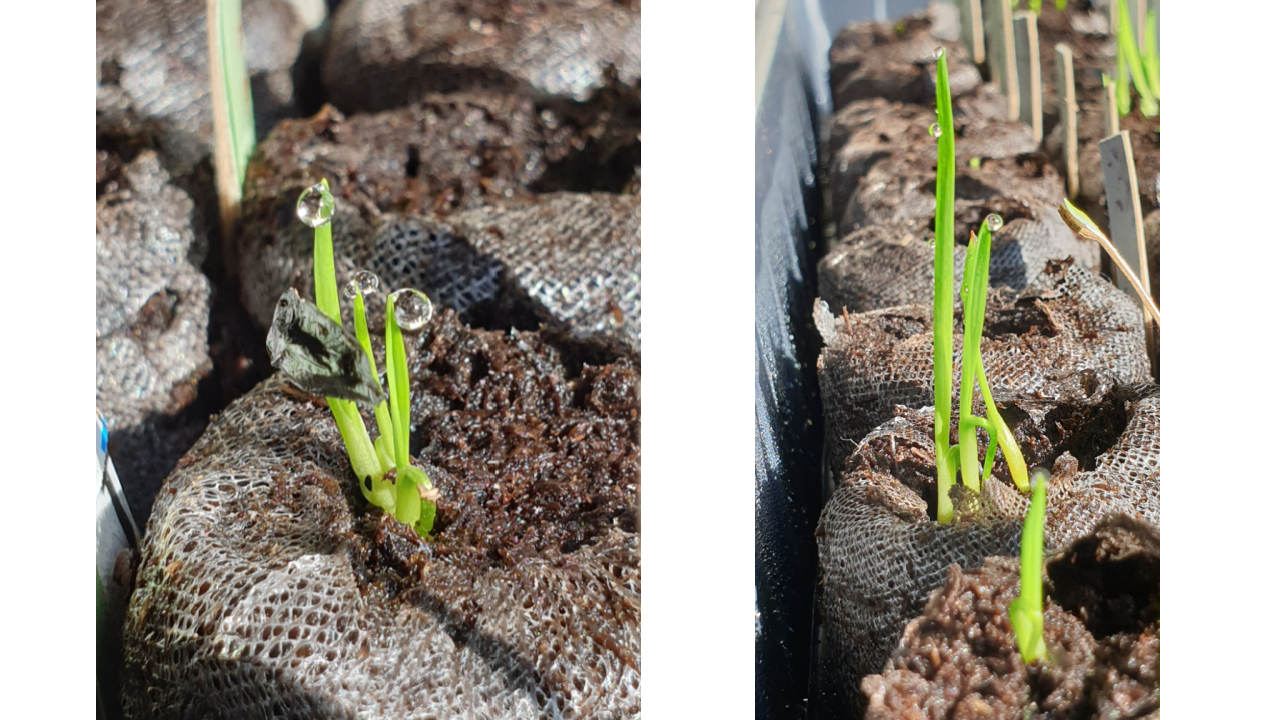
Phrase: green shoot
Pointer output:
(1026, 613)
(974, 295)
(1124, 103)
(409, 498)
(975, 163)
(1082, 225)
(1036, 5)
(1131, 64)
(367, 282)
(943, 309)
(412, 484)
(364, 459)
(233, 128)
(1151, 56)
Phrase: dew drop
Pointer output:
(315, 205)
(365, 282)
(413, 309)
(937, 53)
(935, 130)
(994, 222)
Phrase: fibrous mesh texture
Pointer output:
(152, 319)
(885, 169)
(384, 53)
(891, 264)
(1068, 331)
(153, 75)
(960, 658)
(569, 260)
(894, 60)
(268, 588)
(881, 553)
(576, 258)
(422, 199)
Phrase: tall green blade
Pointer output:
(235, 82)
(943, 290)
(233, 129)
(1151, 57)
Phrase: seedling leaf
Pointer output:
(1026, 613)
(943, 292)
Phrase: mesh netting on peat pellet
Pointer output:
(891, 264)
(960, 657)
(881, 551)
(269, 587)
(1063, 337)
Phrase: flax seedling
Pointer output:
(387, 477)
(1026, 613)
(974, 296)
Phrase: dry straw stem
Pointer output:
(1083, 226)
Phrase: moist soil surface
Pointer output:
(530, 458)
(959, 659)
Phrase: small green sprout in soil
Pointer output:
(1026, 613)
(973, 294)
(387, 477)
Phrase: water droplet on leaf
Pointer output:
(315, 205)
(937, 53)
(365, 282)
(994, 222)
(413, 309)
(935, 130)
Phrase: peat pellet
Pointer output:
(152, 320)
(1055, 339)
(891, 264)
(881, 553)
(268, 585)
(1101, 632)
(439, 196)
(885, 168)
(894, 60)
(153, 73)
(388, 53)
